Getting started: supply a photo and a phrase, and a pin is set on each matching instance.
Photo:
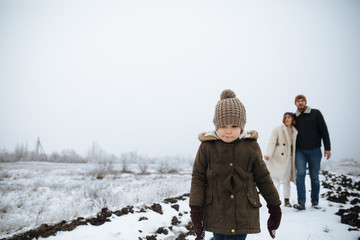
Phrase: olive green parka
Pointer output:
(224, 182)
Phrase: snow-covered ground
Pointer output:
(33, 193)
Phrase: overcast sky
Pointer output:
(145, 76)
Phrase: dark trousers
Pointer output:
(229, 237)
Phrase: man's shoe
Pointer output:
(315, 205)
(300, 206)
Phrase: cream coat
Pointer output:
(279, 155)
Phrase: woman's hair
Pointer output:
(293, 120)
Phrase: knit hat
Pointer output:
(290, 114)
(300, 96)
(229, 111)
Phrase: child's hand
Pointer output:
(200, 236)
(274, 219)
(196, 219)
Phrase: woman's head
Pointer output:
(289, 119)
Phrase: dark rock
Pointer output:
(143, 218)
(152, 237)
(189, 226)
(175, 221)
(182, 236)
(339, 197)
(350, 216)
(124, 211)
(175, 199)
(157, 208)
(176, 207)
(355, 201)
(170, 200)
(162, 230)
(142, 210)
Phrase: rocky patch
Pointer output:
(343, 189)
(103, 216)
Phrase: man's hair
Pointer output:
(300, 96)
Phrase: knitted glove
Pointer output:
(196, 214)
(274, 219)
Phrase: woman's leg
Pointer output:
(286, 180)
(276, 184)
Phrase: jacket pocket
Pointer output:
(253, 198)
(254, 202)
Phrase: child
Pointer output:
(227, 169)
(280, 153)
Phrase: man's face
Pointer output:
(301, 104)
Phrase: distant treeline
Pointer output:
(94, 154)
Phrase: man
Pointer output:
(311, 128)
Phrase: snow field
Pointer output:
(33, 193)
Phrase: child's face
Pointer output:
(228, 133)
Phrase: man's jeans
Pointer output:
(313, 158)
(229, 237)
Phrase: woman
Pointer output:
(280, 153)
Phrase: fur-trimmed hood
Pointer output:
(212, 136)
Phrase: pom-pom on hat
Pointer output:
(229, 111)
(300, 96)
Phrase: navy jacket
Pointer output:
(311, 128)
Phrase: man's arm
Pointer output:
(324, 135)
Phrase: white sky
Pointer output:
(146, 75)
